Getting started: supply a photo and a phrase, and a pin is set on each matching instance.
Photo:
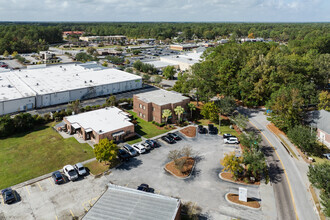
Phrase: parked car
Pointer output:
(145, 187)
(153, 143)
(8, 196)
(228, 135)
(123, 155)
(201, 129)
(175, 136)
(57, 177)
(146, 146)
(140, 149)
(80, 169)
(212, 129)
(231, 140)
(168, 139)
(327, 156)
(70, 172)
(130, 150)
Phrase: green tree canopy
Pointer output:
(168, 72)
(105, 150)
(210, 111)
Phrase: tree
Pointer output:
(6, 54)
(324, 100)
(105, 64)
(306, 139)
(179, 111)
(74, 106)
(158, 79)
(319, 176)
(166, 114)
(105, 150)
(91, 50)
(232, 164)
(255, 164)
(146, 77)
(191, 108)
(136, 52)
(111, 101)
(226, 105)
(210, 111)
(250, 140)
(129, 70)
(169, 72)
(241, 121)
(251, 35)
(14, 54)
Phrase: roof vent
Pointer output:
(100, 131)
(37, 84)
(85, 81)
(90, 80)
(9, 86)
(26, 76)
(60, 66)
(77, 74)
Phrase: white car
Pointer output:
(145, 145)
(70, 172)
(139, 148)
(80, 169)
(231, 140)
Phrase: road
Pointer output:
(293, 200)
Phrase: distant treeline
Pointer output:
(28, 37)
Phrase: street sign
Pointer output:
(242, 194)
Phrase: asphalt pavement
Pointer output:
(293, 199)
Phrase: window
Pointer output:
(153, 118)
(144, 107)
(140, 114)
(144, 116)
(140, 106)
(153, 108)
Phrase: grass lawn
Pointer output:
(225, 126)
(319, 160)
(96, 167)
(28, 155)
(147, 129)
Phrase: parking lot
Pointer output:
(204, 188)
(46, 200)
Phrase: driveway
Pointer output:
(204, 187)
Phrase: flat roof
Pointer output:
(102, 120)
(121, 203)
(161, 97)
(13, 88)
(159, 64)
(66, 77)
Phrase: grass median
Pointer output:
(28, 155)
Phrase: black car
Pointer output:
(201, 129)
(174, 136)
(212, 129)
(8, 196)
(168, 139)
(57, 177)
(123, 155)
(153, 143)
(145, 187)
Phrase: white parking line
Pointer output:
(51, 182)
(27, 190)
(39, 186)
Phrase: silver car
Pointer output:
(70, 172)
(80, 169)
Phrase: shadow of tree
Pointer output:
(133, 163)
(275, 173)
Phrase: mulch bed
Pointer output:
(229, 177)
(189, 131)
(250, 202)
(187, 168)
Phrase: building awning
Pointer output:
(118, 133)
(88, 130)
(75, 125)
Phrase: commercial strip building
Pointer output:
(43, 86)
(103, 38)
(181, 47)
(110, 122)
(125, 203)
(150, 105)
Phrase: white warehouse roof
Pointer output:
(101, 120)
(131, 204)
(71, 76)
(159, 64)
(161, 97)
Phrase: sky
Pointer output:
(166, 10)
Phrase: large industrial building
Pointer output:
(46, 86)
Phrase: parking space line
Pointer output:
(89, 201)
(3, 201)
(126, 185)
(39, 186)
(27, 190)
(56, 217)
(72, 213)
(51, 182)
(83, 204)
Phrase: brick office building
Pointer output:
(150, 105)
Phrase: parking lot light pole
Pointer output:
(219, 123)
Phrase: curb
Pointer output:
(241, 204)
(181, 178)
(230, 181)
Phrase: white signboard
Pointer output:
(242, 194)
